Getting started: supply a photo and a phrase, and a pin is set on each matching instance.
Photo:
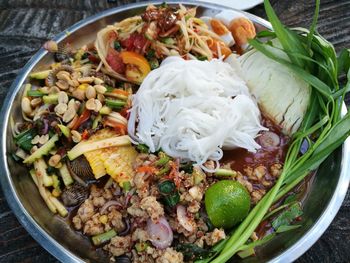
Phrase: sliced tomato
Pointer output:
(121, 92)
(135, 42)
(115, 61)
(137, 66)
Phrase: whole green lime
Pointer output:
(227, 203)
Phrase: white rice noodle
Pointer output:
(193, 109)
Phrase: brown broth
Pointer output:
(240, 158)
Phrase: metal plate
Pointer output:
(55, 235)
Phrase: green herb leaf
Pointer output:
(193, 252)
(166, 187)
(344, 61)
(143, 148)
(172, 200)
(117, 45)
(289, 39)
(287, 216)
(286, 228)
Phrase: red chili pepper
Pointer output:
(82, 118)
(118, 127)
(124, 112)
(85, 135)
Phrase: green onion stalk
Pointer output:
(313, 59)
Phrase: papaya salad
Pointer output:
(178, 138)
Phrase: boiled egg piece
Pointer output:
(220, 29)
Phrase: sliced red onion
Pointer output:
(127, 228)
(160, 233)
(128, 197)
(269, 140)
(109, 204)
(183, 219)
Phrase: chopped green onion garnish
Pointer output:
(126, 186)
(225, 172)
(35, 93)
(115, 104)
(143, 148)
(104, 237)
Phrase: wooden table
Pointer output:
(26, 24)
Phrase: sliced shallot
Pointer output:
(109, 204)
(160, 233)
(269, 139)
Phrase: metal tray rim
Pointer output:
(64, 255)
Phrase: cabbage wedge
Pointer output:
(282, 96)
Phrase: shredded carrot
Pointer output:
(146, 169)
(118, 127)
(121, 92)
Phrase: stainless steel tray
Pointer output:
(323, 201)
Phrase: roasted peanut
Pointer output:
(76, 136)
(54, 160)
(26, 108)
(62, 84)
(43, 139)
(35, 140)
(90, 92)
(62, 97)
(69, 114)
(98, 81)
(36, 102)
(100, 89)
(79, 94)
(86, 80)
(63, 75)
(60, 108)
(101, 98)
(54, 90)
(93, 104)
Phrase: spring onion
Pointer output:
(115, 104)
(104, 237)
(314, 60)
(225, 172)
(35, 93)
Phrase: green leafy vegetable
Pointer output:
(172, 200)
(285, 228)
(143, 148)
(166, 187)
(104, 237)
(170, 195)
(187, 167)
(287, 216)
(115, 104)
(24, 139)
(313, 59)
(164, 159)
(117, 45)
(35, 93)
(192, 251)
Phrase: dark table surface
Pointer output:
(26, 24)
